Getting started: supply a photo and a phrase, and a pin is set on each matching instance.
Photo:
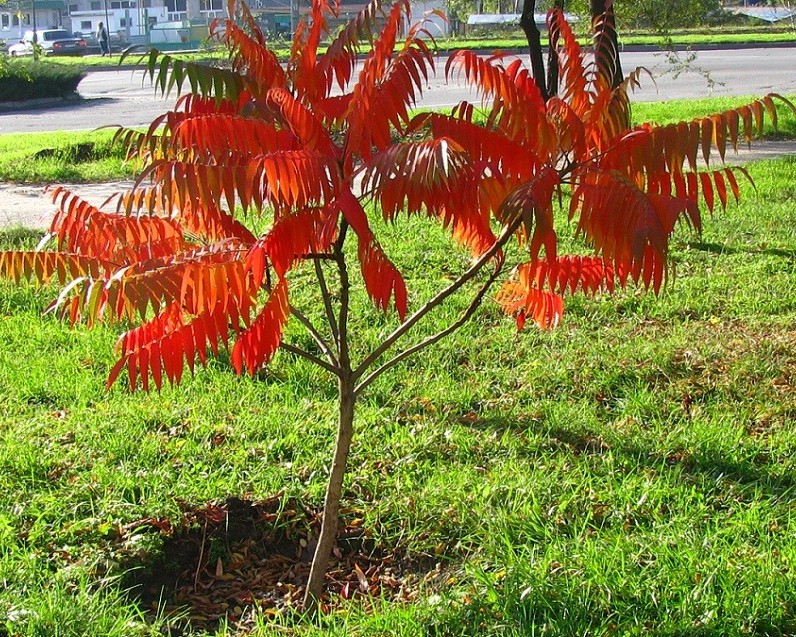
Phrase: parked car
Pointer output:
(116, 41)
(51, 41)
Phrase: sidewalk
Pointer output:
(32, 207)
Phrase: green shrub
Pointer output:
(28, 79)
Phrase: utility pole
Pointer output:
(108, 27)
(35, 35)
(294, 16)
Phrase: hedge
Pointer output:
(29, 79)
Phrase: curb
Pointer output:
(41, 102)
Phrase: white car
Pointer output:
(51, 41)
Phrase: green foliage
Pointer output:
(664, 15)
(28, 79)
(655, 15)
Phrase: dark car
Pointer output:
(51, 41)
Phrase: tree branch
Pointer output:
(466, 315)
(310, 357)
(342, 327)
(466, 276)
(552, 56)
(327, 301)
(315, 335)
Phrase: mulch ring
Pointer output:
(237, 558)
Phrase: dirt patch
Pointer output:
(237, 558)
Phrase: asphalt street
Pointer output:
(127, 98)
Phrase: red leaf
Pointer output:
(258, 343)
(545, 308)
(382, 279)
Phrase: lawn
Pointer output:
(63, 157)
(630, 472)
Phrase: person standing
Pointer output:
(102, 38)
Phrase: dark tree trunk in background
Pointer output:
(552, 57)
(528, 24)
(606, 44)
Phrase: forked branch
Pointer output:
(310, 357)
(466, 315)
(438, 299)
(327, 301)
(316, 335)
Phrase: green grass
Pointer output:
(518, 41)
(71, 157)
(670, 111)
(628, 473)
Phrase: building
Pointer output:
(168, 24)
(126, 20)
(18, 16)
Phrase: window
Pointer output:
(122, 4)
(6, 20)
(85, 25)
(123, 23)
(96, 6)
(211, 5)
(176, 6)
(15, 20)
(73, 8)
(26, 19)
(52, 36)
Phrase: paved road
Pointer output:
(123, 97)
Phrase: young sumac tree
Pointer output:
(313, 150)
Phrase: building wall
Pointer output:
(128, 23)
(13, 24)
(434, 24)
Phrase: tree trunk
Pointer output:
(552, 57)
(606, 43)
(334, 491)
(528, 24)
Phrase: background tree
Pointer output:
(606, 47)
(664, 15)
(259, 145)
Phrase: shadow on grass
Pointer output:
(700, 465)
(718, 248)
(705, 464)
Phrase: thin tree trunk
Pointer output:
(334, 491)
(528, 24)
(346, 400)
(552, 57)
(606, 43)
